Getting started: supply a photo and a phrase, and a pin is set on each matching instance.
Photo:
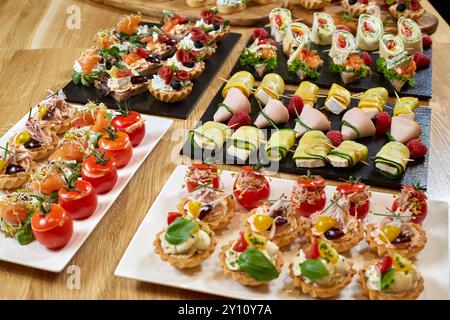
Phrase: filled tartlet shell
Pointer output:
(407, 250)
(313, 4)
(232, 8)
(355, 10)
(185, 263)
(413, 15)
(241, 276)
(377, 295)
(43, 151)
(219, 36)
(170, 97)
(322, 292)
(215, 224)
(13, 181)
(196, 72)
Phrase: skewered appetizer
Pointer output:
(308, 195)
(251, 260)
(158, 44)
(338, 99)
(185, 243)
(261, 55)
(404, 129)
(311, 119)
(279, 144)
(276, 222)
(312, 150)
(242, 80)
(410, 34)
(348, 154)
(202, 43)
(356, 124)
(370, 29)
(250, 188)
(309, 92)
(231, 6)
(336, 225)
(202, 174)
(88, 68)
(211, 135)
(392, 159)
(273, 113)
(358, 195)
(271, 86)
(170, 86)
(213, 24)
(320, 271)
(322, 29)
(405, 107)
(413, 201)
(411, 9)
(373, 100)
(314, 4)
(396, 232)
(244, 142)
(15, 169)
(280, 19)
(297, 35)
(399, 70)
(357, 7)
(235, 101)
(390, 45)
(394, 277)
(176, 25)
(188, 61)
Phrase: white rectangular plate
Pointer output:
(140, 262)
(37, 256)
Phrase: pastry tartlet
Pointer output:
(396, 233)
(337, 226)
(185, 250)
(168, 86)
(356, 7)
(314, 4)
(176, 25)
(188, 61)
(252, 260)
(392, 278)
(15, 170)
(200, 42)
(228, 7)
(213, 24)
(320, 271)
(414, 11)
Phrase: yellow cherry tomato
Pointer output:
(325, 223)
(327, 251)
(262, 222)
(23, 137)
(194, 208)
(3, 164)
(389, 233)
(255, 240)
(42, 111)
(401, 263)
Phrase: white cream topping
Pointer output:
(159, 84)
(199, 241)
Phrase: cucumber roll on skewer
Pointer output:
(211, 135)
(405, 107)
(243, 80)
(272, 86)
(244, 141)
(348, 154)
(279, 144)
(392, 159)
(373, 100)
(338, 99)
(312, 150)
(309, 92)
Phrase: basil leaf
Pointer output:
(386, 279)
(24, 234)
(313, 269)
(255, 264)
(76, 77)
(180, 230)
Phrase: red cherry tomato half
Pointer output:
(118, 147)
(192, 183)
(132, 124)
(142, 53)
(313, 251)
(306, 209)
(80, 202)
(420, 209)
(241, 245)
(361, 211)
(102, 176)
(52, 229)
(417, 218)
(385, 264)
(172, 216)
(250, 199)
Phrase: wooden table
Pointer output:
(37, 51)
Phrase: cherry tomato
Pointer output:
(80, 201)
(116, 145)
(313, 251)
(131, 123)
(53, 227)
(413, 195)
(192, 183)
(241, 245)
(390, 233)
(385, 264)
(262, 222)
(247, 198)
(350, 188)
(312, 184)
(142, 53)
(100, 173)
(172, 216)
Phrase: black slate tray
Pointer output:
(416, 171)
(422, 88)
(145, 103)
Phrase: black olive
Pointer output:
(352, 2)
(117, 34)
(48, 115)
(176, 84)
(279, 221)
(402, 238)
(279, 212)
(189, 64)
(138, 79)
(216, 26)
(14, 168)
(198, 44)
(32, 144)
(401, 7)
(153, 59)
(334, 233)
(204, 211)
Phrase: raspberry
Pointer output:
(296, 103)
(415, 5)
(416, 148)
(239, 119)
(366, 57)
(343, 27)
(426, 41)
(383, 122)
(421, 60)
(260, 33)
(335, 137)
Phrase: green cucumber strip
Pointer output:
(347, 124)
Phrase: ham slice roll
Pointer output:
(356, 124)
(234, 101)
(404, 129)
(273, 113)
(311, 119)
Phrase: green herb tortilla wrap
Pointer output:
(280, 143)
(392, 159)
(312, 150)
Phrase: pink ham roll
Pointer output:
(276, 111)
(234, 101)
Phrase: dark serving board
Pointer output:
(422, 88)
(416, 171)
(146, 103)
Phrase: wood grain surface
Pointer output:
(37, 51)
